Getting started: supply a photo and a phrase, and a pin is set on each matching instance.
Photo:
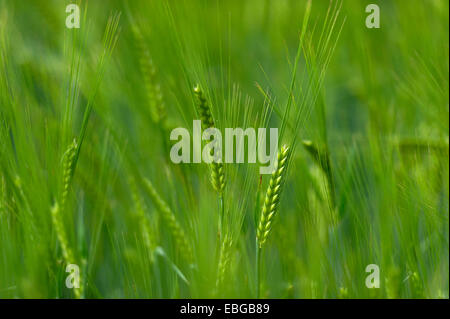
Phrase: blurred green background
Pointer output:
(380, 117)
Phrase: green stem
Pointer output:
(258, 269)
(221, 214)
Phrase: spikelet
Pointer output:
(168, 216)
(153, 88)
(272, 198)
(217, 169)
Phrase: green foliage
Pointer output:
(368, 185)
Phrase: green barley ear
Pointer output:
(68, 162)
(203, 108)
(55, 210)
(224, 260)
(144, 223)
(152, 86)
(61, 233)
(272, 196)
(217, 177)
(62, 239)
(217, 169)
(174, 227)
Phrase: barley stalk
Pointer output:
(270, 207)
(175, 228)
(57, 220)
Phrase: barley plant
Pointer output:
(270, 205)
(359, 174)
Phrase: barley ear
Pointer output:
(62, 239)
(68, 161)
(217, 177)
(224, 260)
(174, 227)
(216, 169)
(144, 223)
(61, 233)
(152, 86)
(56, 210)
(272, 198)
(203, 108)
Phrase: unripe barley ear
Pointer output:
(56, 210)
(158, 110)
(68, 160)
(217, 169)
(144, 223)
(203, 108)
(62, 239)
(61, 233)
(174, 227)
(217, 176)
(272, 198)
(224, 260)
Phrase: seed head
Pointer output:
(272, 198)
(217, 169)
(174, 227)
(203, 108)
